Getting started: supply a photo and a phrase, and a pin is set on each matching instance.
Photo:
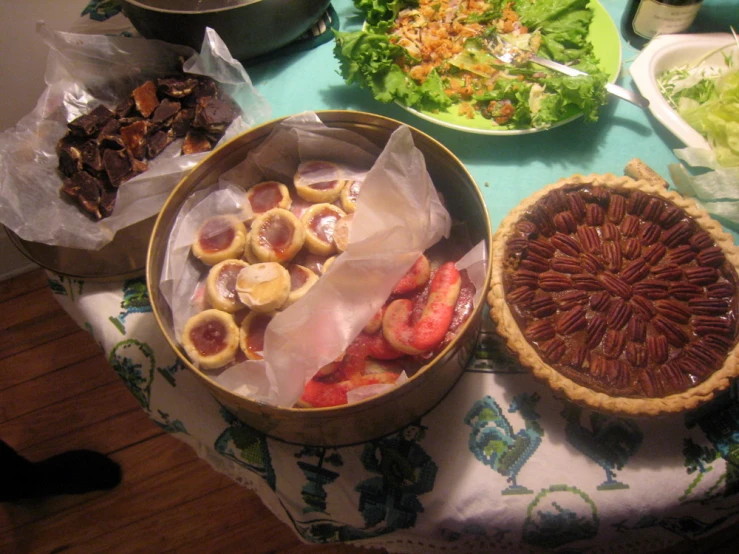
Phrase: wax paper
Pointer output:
(399, 215)
(82, 72)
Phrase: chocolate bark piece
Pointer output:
(125, 107)
(90, 156)
(110, 135)
(145, 97)
(107, 202)
(181, 122)
(86, 189)
(87, 125)
(134, 137)
(166, 110)
(177, 87)
(117, 166)
(70, 157)
(157, 143)
(195, 142)
(214, 115)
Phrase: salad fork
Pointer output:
(511, 55)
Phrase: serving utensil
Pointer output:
(510, 54)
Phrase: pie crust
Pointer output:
(608, 353)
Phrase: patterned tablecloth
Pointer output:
(500, 464)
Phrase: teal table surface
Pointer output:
(501, 464)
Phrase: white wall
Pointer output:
(22, 66)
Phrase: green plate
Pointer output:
(606, 43)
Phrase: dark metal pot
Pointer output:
(249, 28)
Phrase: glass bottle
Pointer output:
(645, 19)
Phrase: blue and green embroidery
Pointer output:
(101, 10)
(609, 441)
(568, 515)
(169, 425)
(247, 447)
(134, 362)
(318, 475)
(66, 286)
(494, 442)
(135, 301)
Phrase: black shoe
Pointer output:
(73, 472)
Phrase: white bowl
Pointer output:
(669, 51)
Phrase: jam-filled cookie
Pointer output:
(211, 339)
(301, 280)
(342, 229)
(349, 195)
(319, 181)
(220, 285)
(219, 238)
(264, 196)
(319, 223)
(251, 334)
(276, 236)
(263, 287)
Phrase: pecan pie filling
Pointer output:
(620, 291)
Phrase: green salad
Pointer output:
(706, 96)
(431, 55)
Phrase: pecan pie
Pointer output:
(618, 293)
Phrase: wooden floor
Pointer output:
(57, 393)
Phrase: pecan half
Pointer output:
(679, 233)
(532, 262)
(541, 248)
(619, 313)
(708, 306)
(566, 244)
(637, 354)
(615, 285)
(616, 208)
(556, 201)
(670, 216)
(565, 222)
(701, 240)
(653, 210)
(653, 288)
(701, 275)
(553, 349)
(712, 257)
(672, 310)
(551, 281)
(681, 255)
(528, 228)
(541, 330)
(577, 205)
(672, 378)
(571, 321)
(600, 301)
(635, 271)
(654, 254)
(649, 233)
(542, 220)
(612, 255)
(577, 357)
(609, 231)
(589, 239)
(636, 330)
(671, 331)
(657, 348)
(596, 329)
(594, 215)
(705, 354)
(543, 306)
(685, 291)
(631, 248)
(516, 245)
(590, 263)
(711, 325)
(637, 202)
(630, 226)
(521, 296)
(570, 299)
(565, 264)
(723, 289)
(644, 307)
(525, 278)
(669, 272)
(614, 343)
(586, 282)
